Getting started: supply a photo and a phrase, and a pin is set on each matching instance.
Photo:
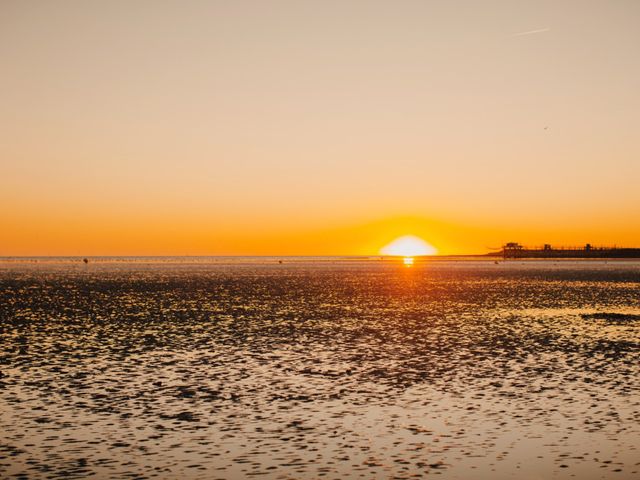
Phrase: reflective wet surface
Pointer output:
(326, 369)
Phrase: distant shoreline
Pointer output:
(284, 259)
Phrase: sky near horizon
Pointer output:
(324, 127)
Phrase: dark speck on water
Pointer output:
(319, 368)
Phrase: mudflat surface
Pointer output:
(332, 369)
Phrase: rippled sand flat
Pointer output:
(334, 369)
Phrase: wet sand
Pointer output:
(320, 370)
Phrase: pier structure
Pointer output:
(516, 250)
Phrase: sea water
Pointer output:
(318, 367)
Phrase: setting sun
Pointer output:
(408, 246)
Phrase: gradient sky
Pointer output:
(324, 127)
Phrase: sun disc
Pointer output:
(408, 246)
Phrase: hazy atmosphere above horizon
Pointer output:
(316, 128)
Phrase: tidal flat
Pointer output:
(326, 368)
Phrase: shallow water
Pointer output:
(319, 368)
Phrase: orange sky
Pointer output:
(296, 127)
